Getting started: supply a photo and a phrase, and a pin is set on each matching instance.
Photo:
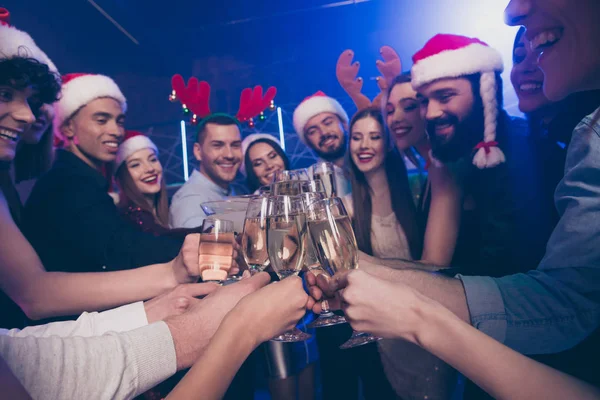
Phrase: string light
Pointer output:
(173, 97)
(272, 105)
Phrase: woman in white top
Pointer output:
(384, 218)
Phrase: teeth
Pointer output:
(8, 134)
(364, 156)
(153, 178)
(530, 86)
(543, 39)
(114, 145)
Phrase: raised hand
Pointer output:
(271, 310)
(385, 309)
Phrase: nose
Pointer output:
(365, 143)
(22, 113)
(433, 111)
(116, 130)
(149, 168)
(517, 11)
(228, 153)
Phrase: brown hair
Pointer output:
(130, 195)
(400, 194)
(34, 160)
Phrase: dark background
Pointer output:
(233, 44)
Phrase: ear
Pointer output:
(68, 129)
(197, 151)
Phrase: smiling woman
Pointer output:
(263, 156)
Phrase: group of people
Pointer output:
(494, 259)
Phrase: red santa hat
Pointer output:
(133, 142)
(79, 89)
(314, 105)
(247, 142)
(16, 43)
(453, 56)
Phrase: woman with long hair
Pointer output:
(263, 156)
(143, 198)
(386, 226)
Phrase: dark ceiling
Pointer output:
(293, 45)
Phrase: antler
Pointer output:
(4, 16)
(346, 73)
(252, 102)
(390, 67)
(195, 96)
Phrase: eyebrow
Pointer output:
(444, 91)
(326, 119)
(103, 114)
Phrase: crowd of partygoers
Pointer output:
(489, 277)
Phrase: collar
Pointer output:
(73, 164)
(198, 178)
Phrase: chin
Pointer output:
(7, 155)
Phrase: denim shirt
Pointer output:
(185, 210)
(556, 306)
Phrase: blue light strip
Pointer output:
(281, 133)
(186, 174)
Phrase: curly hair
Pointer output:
(21, 72)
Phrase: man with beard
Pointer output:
(321, 123)
(461, 99)
(219, 150)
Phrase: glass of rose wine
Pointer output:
(286, 236)
(215, 255)
(330, 230)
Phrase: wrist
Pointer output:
(432, 323)
(171, 279)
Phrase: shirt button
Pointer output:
(104, 267)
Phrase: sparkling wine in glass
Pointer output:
(215, 255)
(324, 171)
(286, 236)
(330, 230)
(254, 237)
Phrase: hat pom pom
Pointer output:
(488, 155)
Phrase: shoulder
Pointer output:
(590, 123)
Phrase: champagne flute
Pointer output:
(295, 188)
(325, 172)
(215, 254)
(300, 174)
(254, 237)
(286, 234)
(330, 230)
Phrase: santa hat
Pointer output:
(314, 105)
(80, 89)
(248, 140)
(16, 43)
(133, 142)
(453, 56)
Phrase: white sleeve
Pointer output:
(113, 366)
(121, 319)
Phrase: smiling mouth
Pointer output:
(401, 131)
(151, 180)
(531, 87)
(365, 158)
(112, 145)
(546, 39)
(9, 134)
(328, 142)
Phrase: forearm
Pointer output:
(121, 319)
(9, 385)
(212, 374)
(500, 371)
(110, 366)
(447, 291)
(51, 294)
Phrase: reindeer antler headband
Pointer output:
(346, 72)
(195, 99)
